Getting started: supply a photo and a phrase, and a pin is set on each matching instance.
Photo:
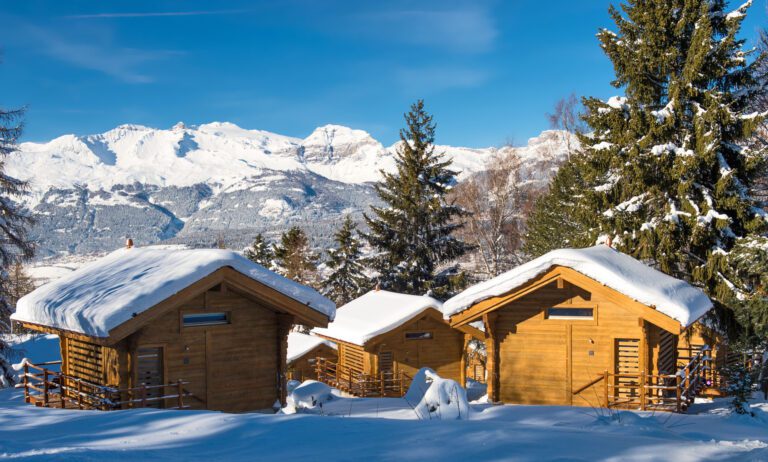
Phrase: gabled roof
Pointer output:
(104, 294)
(375, 313)
(300, 344)
(620, 272)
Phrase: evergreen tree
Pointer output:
(552, 224)
(666, 172)
(413, 231)
(260, 252)
(294, 259)
(14, 244)
(347, 280)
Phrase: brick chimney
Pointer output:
(129, 243)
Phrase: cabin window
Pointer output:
(418, 335)
(205, 319)
(570, 313)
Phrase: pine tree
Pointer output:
(666, 172)
(294, 259)
(412, 232)
(260, 252)
(347, 280)
(14, 244)
(552, 224)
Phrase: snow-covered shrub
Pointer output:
(292, 385)
(433, 397)
(308, 395)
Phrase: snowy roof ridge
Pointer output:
(375, 313)
(299, 344)
(104, 294)
(622, 273)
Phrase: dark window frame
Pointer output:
(420, 335)
(579, 313)
(218, 321)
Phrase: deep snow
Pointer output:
(374, 313)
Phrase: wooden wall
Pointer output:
(303, 367)
(542, 361)
(443, 352)
(233, 367)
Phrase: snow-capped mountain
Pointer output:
(194, 184)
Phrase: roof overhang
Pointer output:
(559, 274)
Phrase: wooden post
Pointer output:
(79, 393)
(45, 387)
(26, 382)
(605, 389)
(180, 391)
(678, 392)
(381, 375)
(349, 380)
(687, 380)
(402, 384)
(143, 395)
(642, 390)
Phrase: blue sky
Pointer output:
(488, 70)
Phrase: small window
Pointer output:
(418, 335)
(205, 319)
(570, 313)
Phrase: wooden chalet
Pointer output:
(590, 327)
(384, 338)
(173, 328)
(303, 353)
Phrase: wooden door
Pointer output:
(627, 367)
(533, 366)
(150, 372)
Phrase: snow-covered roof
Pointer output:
(375, 313)
(299, 344)
(622, 273)
(108, 292)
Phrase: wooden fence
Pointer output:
(657, 392)
(48, 388)
(389, 384)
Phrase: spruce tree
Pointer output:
(413, 232)
(347, 280)
(14, 244)
(294, 259)
(260, 252)
(666, 172)
(552, 224)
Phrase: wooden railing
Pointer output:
(651, 392)
(49, 388)
(360, 384)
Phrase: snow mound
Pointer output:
(375, 313)
(622, 273)
(104, 294)
(435, 398)
(308, 395)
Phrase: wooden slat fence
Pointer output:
(47, 388)
(389, 384)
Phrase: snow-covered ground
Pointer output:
(351, 429)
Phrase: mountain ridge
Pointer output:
(192, 184)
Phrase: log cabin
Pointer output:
(385, 336)
(303, 352)
(590, 327)
(142, 324)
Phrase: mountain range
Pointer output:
(199, 184)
